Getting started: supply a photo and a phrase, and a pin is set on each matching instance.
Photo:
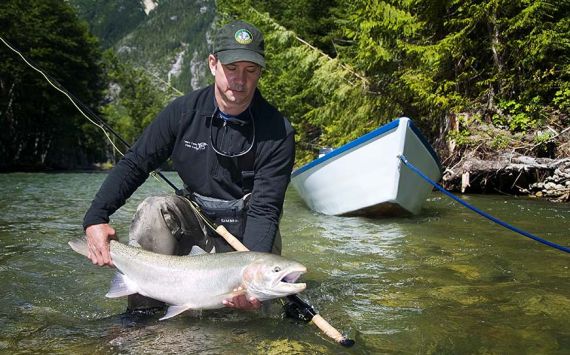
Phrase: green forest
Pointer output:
(481, 76)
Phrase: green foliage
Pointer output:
(172, 29)
(328, 102)
(312, 20)
(518, 117)
(173, 32)
(337, 69)
(110, 20)
(500, 141)
(426, 59)
(461, 137)
(562, 97)
(40, 127)
(543, 137)
(135, 100)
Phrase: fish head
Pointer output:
(272, 276)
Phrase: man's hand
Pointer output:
(98, 238)
(241, 301)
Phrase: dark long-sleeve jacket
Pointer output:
(184, 131)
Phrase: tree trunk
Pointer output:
(494, 38)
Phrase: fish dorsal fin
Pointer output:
(134, 243)
(196, 250)
(120, 286)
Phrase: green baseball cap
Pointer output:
(239, 41)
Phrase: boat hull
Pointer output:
(366, 176)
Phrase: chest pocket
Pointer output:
(232, 214)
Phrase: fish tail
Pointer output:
(79, 245)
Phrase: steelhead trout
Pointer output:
(200, 280)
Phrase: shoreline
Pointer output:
(511, 174)
(507, 174)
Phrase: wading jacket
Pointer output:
(184, 131)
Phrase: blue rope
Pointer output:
(475, 209)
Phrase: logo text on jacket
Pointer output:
(195, 146)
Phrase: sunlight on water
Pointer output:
(446, 281)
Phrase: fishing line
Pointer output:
(104, 126)
(60, 88)
(220, 229)
(101, 124)
(480, 212)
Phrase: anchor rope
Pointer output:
(104, 127)
(480, 212)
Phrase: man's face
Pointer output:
(235, 83)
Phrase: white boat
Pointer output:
(367, 177)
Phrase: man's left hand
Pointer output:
(241, 301)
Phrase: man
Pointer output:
(225, 141)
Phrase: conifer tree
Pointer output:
(40, 127)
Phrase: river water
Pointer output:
(445, 282)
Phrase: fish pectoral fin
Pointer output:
(196, 250)
(120, 287)
(175, 310)
(79, 245)
(236, 292)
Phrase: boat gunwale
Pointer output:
(365, 138)
(426, 144)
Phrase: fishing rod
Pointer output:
(297, 307)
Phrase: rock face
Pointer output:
(170, 40)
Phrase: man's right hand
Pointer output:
(98, 242)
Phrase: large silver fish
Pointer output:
(200, 280)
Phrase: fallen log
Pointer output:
(511, 173)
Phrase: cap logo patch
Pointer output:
(243, 36)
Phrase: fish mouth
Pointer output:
(289, 278)
(293, 276)
(279, 283)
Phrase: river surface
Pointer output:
(444, 282)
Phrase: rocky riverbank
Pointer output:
(480, 158)
(513, 174)
(556, 186)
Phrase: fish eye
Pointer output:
(276, 269)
